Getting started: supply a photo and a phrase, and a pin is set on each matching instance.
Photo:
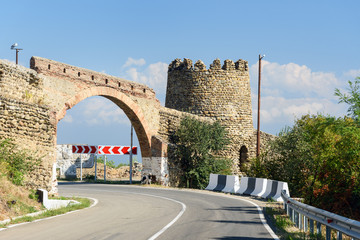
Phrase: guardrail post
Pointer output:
(297, 219)
(301, 217)
(318, 228)
(305, 224)
(288, 209)
(311, 226)
(328, 233)
(339, 235)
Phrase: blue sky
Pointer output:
(311, 47)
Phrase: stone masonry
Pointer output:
(27, 121)
(33, 101)
(221, 93)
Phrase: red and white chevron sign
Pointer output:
(119, 150)
(84, 149)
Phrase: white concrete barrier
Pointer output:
(260, 187)
(53, 203)
(232, 184)
(243, 185)
(257, 187)
(268, 190)
(212, 181)
(274, 190)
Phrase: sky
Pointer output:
(311, 48)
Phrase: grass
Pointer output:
(15, 200)
(84, 203)
(285, 228)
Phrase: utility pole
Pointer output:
(258, 115)
(131, 152)
(14, 47)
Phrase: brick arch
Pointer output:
(131, 109)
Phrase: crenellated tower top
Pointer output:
(229, 65)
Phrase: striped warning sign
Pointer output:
(119, 150)
(103, 149)
(84, 149)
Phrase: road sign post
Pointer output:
(105, 168)
(80, 168)
(95, 159)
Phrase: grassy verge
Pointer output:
(285, 228)
(84, 203)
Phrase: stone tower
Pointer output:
(221, 93)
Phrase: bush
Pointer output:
(17, 163)
(320, 159)
(197, 147)
(109, 163)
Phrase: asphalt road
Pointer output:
(130, 212)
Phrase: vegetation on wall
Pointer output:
(197, 147)
(320, 158)
(15, 163)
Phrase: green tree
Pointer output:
(197, 147)
(320, 159)
(352, 98)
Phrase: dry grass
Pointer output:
(15, 201)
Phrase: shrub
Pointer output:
(320, 159)
(16, 162)
(197, 147)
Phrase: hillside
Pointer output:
(15, 200)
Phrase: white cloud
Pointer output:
(100, 111)
(352, 74)
(137, 62)
(290, 91)
(154, 75)
(294, 80)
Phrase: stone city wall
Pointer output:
(26, 120)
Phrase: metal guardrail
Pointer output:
(303, 215)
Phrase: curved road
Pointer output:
(131, 212)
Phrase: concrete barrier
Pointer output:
(243, 185)
(212, 182)
(257, 187)
(260, 187)
(269, 188)
(251, 183)
(274, 189)
(224, 183)
(232, 184)
(221, 183)
(53, 203)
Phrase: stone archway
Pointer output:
(130, 108)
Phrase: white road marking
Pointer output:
(149, 195)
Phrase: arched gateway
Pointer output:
(64, 86)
